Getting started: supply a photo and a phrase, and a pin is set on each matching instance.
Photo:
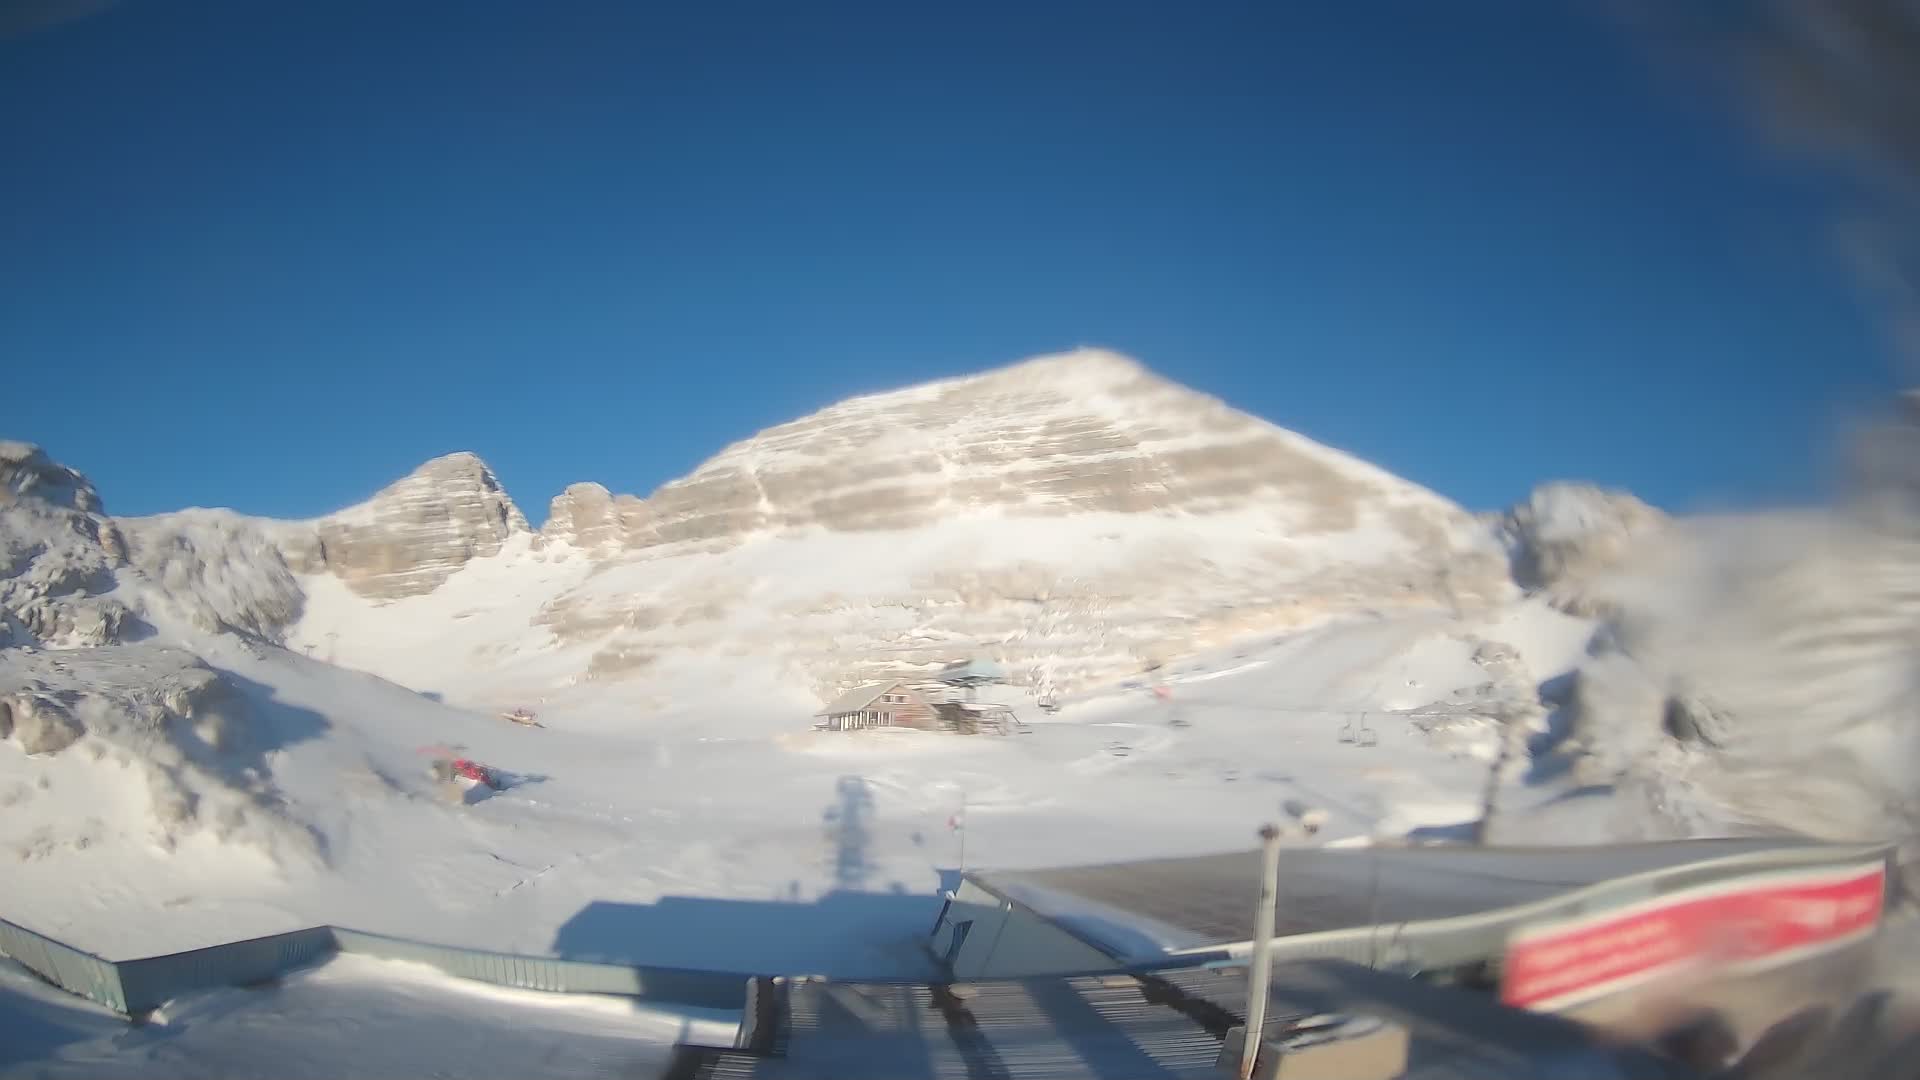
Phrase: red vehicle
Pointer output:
(473, 770)
(463, 771)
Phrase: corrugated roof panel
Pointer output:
(1138, 910)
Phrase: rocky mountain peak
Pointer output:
(27, 472)
(417, 531)
(1088, 431)
(1084, 367)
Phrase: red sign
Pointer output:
(1753, 922)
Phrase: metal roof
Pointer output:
(858, 699)
(1136, 911)
(972, 671)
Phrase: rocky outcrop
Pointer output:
(590, 517)
(208, 703)
(63, 565)
(40, 723)
(217, 569)
(417, 532)
(73, 622)
(51, 553)
(27, 472)
(1565, 537)
(182, 728)
(57, 554)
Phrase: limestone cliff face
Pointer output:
(1081, 432)
(415, 533)
(590, 517)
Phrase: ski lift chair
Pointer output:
(1360, 735)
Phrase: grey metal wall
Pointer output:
(1005, 942)
(64, 966)
(150, 983)
(677, 986)
(134, 986)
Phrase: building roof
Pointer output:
(1137, 911)
(858, 699)
(977, 671)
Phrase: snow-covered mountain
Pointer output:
(229, 712)
(1075, 517)
(1083, 432)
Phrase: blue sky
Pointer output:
(272, 256)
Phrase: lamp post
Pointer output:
(1306, 821)
(1261, 968)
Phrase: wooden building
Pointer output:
(887, 704)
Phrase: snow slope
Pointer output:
(1075, 601)
(672, 844)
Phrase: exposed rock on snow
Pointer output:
(1565, 536)
(54, 557)
(45, 551)
(41, 723)
(589, 517)
(415, 533)
(208, 702)
(219, 570)
(1051, 601)
(1473, 720)
(26, 471)
(73, 622)
(181, 727)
